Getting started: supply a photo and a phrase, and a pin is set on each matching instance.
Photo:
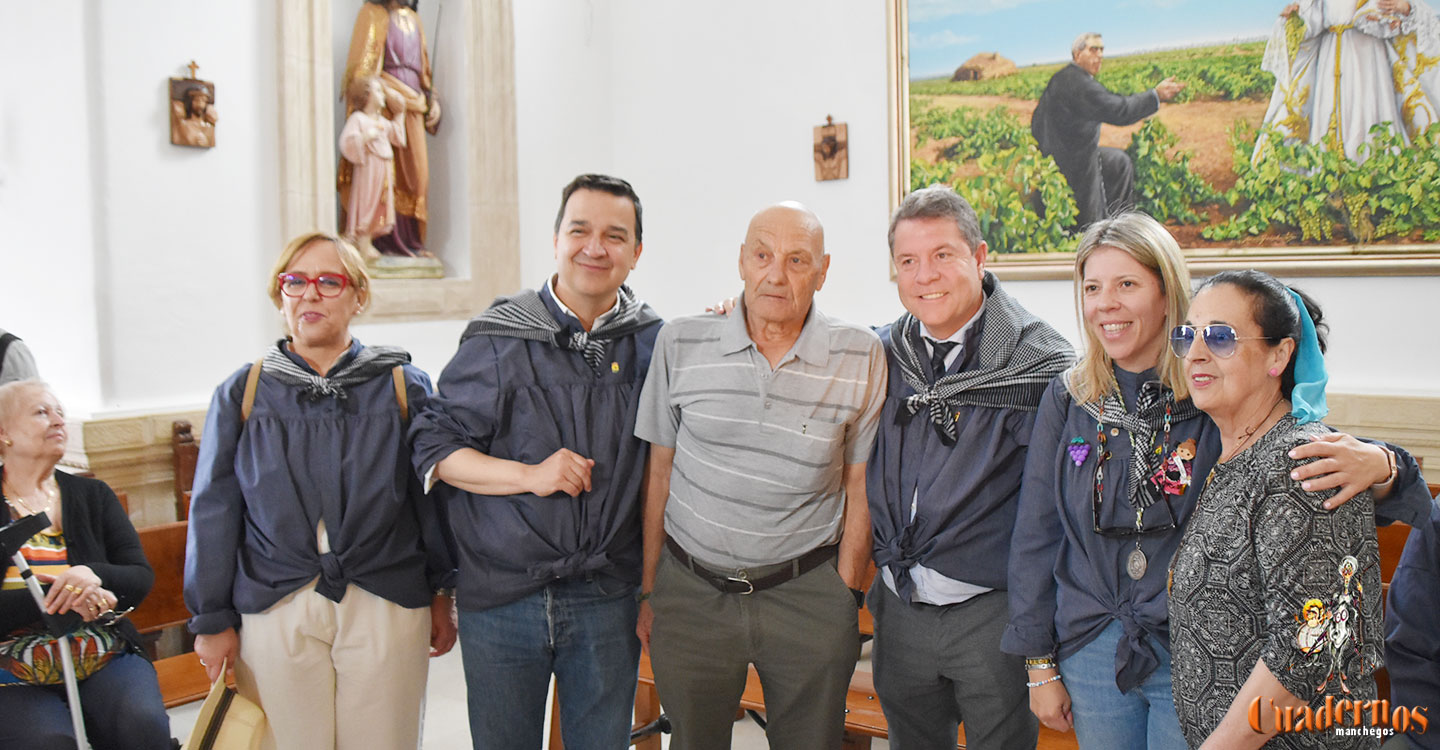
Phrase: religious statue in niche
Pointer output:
(832, 155)
(368, 144)
(388, 44)
(192, 111)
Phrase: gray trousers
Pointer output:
(936, 667)
(802, 636)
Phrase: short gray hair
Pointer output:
(1080, 43)
(938, 202)
(10, 395)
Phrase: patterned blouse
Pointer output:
(1271, 575)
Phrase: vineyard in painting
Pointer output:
(1194, 164)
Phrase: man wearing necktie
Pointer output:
(967, 368)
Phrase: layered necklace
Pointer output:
(44, 504)
(1136, 563)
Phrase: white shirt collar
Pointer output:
(958, 336)
(601, 318)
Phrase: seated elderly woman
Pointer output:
(91, 559)
(1274, 601)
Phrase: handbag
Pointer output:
(227, 720)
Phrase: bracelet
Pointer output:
(1047, 659)
(1045, 681)
(642, 596)
(1040, 665)
(1394, 469)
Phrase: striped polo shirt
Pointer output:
(759, 453)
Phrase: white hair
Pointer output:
(1081, 42)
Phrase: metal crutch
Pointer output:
(12, 537)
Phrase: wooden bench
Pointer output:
(182, 678)
(184, 452)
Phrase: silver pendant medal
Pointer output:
(1136, 564)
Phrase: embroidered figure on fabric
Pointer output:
(1327, 630)
(1313, 634)
(1174, 476)
(1078, 449)
(1342, 633)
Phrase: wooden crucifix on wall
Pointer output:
(832, 152)
(192, 111)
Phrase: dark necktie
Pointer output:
(939, 350)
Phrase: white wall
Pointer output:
(136, 264)
(134, 268)
(47, 268)
(709, 114)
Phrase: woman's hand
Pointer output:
(723, 307)
(217, 650)
(443, 626)
(1342, 461)
(1290, 10)
(644, 624)
(1050, 702)
(76, 590)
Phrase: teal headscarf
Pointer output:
(1307, 398)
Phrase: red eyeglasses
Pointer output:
(327, 284)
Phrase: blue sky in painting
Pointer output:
(946, 33)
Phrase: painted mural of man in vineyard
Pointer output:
(1333, 176)
(1342, 68)
(1066, 125)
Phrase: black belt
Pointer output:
(740, 582)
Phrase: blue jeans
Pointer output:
(584, 633)
(121, 704)
(1106, 718)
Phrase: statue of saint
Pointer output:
(367, 144)
(388, 42)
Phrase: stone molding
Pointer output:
(132, 454)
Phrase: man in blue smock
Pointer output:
(534, 425)
(967, 368)
(1412, 634)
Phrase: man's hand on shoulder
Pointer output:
(1168, 88)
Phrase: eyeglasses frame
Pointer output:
(344, 284)
(1200, 333)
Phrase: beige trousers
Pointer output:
(336, 676)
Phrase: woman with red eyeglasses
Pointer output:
(1117, 460)
(316, 568)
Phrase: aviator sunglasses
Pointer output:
(1219, 338)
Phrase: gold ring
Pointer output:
(72, 588)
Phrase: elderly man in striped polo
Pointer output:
(756, 530)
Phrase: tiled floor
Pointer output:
(445, 722)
